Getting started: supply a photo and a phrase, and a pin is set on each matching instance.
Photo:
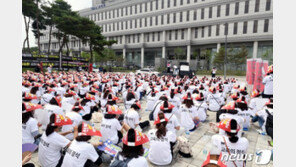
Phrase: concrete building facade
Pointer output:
(148, 29)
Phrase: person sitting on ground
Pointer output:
(160, 151)
(132, 151)
(132, 117)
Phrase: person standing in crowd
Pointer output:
(214, 70)
(268, 83)
(49, 69)
(168, 67)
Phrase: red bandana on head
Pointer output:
(170, 106)
(30, 96)
(61, 120)
(209, 161)
(113, 110)
(89, 97)
(255, 93)
(225, 125)
(140, 139)
(88, 130)
(31, 107)
(157, 121)
(59, 100)
(229, 106)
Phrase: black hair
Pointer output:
(76, 109)
(109, 116)
(166, 105)
(233, 136)
(161, 127)
(163, 98)
(135, 106)
(201, 97)
(34, 90)
(132, 151)
(26, 116)
(270, 105)
(195, 91)
(82, 138)
(110, 101)
(172, 93)
(241, 105)
(84, 101)
(53, 101)
(130, 96)
(50, 129)
(105, 94)
(188, 102)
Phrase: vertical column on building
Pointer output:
(142, 50)
(124, 50)
(188, 45)
(255, 49)
(164, 43)
(218, 47)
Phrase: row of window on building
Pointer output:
(130, 10)
(166, 19)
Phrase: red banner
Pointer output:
(260, 72)
(250, 75)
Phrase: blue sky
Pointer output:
(76, 5)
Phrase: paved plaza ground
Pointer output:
(200, 140)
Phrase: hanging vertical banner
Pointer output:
(260, 71)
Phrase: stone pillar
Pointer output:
(188, 53)
(163, 47)
(218, 47)
(142, 57)
(255, 49)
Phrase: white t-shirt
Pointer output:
(76, 120)
(27, 130)
(214, 102)
(109, 128)
(268, 84)
(186, 117)
(129, 103)
(136, 162)
(46, 98)
(78, 153)
(172, 124)
(49, 149)
(151, 102)
(160, 149)
(201, 108)
(132, 118)
(240, 147)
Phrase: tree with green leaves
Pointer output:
(48, 12)
(179, 53)
(29, 10)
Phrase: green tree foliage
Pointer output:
(179, 53)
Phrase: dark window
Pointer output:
(134, 38)
(218, 10)
(151, 5)
(161, 20)
(117, 12)
(227, 9)
(235, 28)
(183, 34)
(255, 26)
(181, 2)
(156, 4)
(175, 2)
(196, 33)
(131, 24)
(217, 29)
(131, 10)
(257, 5)
(168, 18)
(156, 20)
(236, 8)
(121, 25)
(169, 3)
(140, 23)
(174, 18)
(148, 37)
(202, 32)
(113, 14)
(150, 21)
(153, 37)
(146, 4)
(210, 12)
(188, 1)
(126, 12)
(268, 3)
(181, 17)
(113, 25)
(266, 23)
(136, 9)
(245, 28)
(176, 34)
(106, 15)
(202, 13)
(209, 31)
(109, 15)
(195, 0)
(194, 15)
(138, 36)
(117, 25)
(247, 6)
(145, 22)
(158, 36)
(162, 4)
(126, 25)
(170, 35)
(140, 8)
(226, 29)
(121, 12)
(136, 24)
(188, 15)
